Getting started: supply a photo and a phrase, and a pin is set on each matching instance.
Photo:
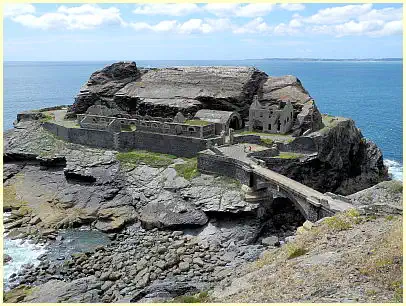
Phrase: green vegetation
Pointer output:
(12, 201)
(17, 294)
(130, 128)
(47, 117)
(202, 297)
(260, 133)
(395, 187)
(389, 218)
(288, 155)
(156, 160)
(384, 265)
(197, 122)
(267, 141)
(189, 169)
(294, 250)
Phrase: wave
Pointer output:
(395, 169)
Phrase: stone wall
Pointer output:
(254, 139)
(221, 165)
(148, 124)
(162, 143)
(88, 137)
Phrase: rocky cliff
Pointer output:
(345, 162)
(163, 92)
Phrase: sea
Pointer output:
(369, 92)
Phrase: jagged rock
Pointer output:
(6, 258)
(167, 212)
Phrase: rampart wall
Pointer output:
(178, 145)
(148, 124)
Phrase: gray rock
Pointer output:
(270, 241)
(184, 266)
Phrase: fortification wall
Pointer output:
(93, 138)
(254, 139)
(149, 124)
(221, 165)
(140, 140)
(162, 143)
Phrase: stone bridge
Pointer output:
(314, 205)
(258, 180)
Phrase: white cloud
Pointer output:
(190, 26)
(169, 9)
(239, 10)
(15, 9)
(292, 6)
(338, 14)
(221, 9)
(82, 17)
(257, 25)
(374, 28)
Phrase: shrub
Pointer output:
(293, 250)
(338, 223)
(202, 297)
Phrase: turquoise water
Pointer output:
(368, 92)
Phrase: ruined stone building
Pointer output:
(271, 118)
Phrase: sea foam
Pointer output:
(395, 169)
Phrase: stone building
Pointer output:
(223, 120)
(271, 118)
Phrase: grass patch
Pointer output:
(338, 224)
(197, 122)
(17, 294)
(261, 133)
(130, 128)
(267, 141)
(136, 157)
(12, 201)
(189, 169)
(384, 265)
(202, 297)
(47, 118)
(288, 155)
(294, 250)
(395, 187)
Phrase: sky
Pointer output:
(80, 32)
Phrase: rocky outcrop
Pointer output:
(163, 92)
(344, 162)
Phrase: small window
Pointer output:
(269, 127)
(94, 119)
(154, 125)
(132, 122)
(122, 121)
(191, 129)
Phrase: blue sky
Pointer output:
(200, 31)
